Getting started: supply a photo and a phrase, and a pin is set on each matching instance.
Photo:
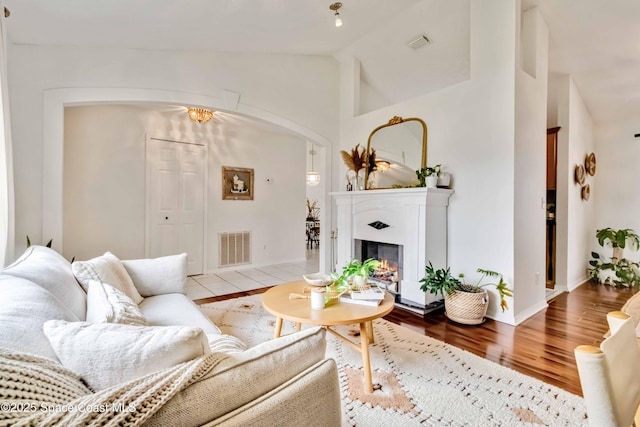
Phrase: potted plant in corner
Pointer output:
(618, 271)
(618, 241)
(428, 177)
(464, 303)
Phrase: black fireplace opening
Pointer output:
(389, 274)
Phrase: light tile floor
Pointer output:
(229, 282)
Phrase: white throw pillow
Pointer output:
(158, 276)
(106, 269)
(106, 304)
(106, 354)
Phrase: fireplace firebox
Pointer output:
(389, 274)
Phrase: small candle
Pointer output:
(317, 298)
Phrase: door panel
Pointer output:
(176, 201)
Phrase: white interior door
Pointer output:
(175, 201)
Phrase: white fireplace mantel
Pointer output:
(415, 218)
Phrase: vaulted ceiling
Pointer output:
(598, 42)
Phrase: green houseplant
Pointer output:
(617, 239)
(465, 303)
(428, 176)
(617, 271)
(356, 272)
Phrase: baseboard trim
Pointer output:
(577, 283)
(521, 317)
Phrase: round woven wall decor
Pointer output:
(579, 175)
(590, 164)
(585, 192)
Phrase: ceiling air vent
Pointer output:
(419, 41)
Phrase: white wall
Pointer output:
(471, 132)
(530, 166)
(615, 191)
(104, 185)
(270, 83)
(575, 218)
(104, 182)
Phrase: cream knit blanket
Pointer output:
(39, 391)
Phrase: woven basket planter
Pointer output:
(469, 308)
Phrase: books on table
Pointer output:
(371, 297)
(374, 292)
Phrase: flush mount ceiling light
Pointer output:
(313, 178)
(335, 8)
(199, 115)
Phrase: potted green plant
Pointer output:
(618, 271)
(617, 239)
(428, 177)
(464, 303)
(356, 273)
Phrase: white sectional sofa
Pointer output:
(284, 382)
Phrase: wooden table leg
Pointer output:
(298, 326)
(366, 363)
(276, 333)
(370, 332)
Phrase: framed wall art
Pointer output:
(237, 183)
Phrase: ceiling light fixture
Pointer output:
(313, 178)
(335, 8)
(199, 115)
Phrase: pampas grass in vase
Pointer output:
(356, 160)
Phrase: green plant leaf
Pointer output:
(593, 263)
(595, 255)
(488, 273)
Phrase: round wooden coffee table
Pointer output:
(276, 301)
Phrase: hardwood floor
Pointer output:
(541, 347)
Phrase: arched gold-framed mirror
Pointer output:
(400, 148)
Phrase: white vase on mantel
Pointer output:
(431, 181)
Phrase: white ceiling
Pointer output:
(596, 41)
(271, 26)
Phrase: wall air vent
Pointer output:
(234, 248)
(419, 41)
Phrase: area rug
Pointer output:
(418, 380)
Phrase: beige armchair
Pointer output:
(610, 375)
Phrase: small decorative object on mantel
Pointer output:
(590, 164)
(428, 176)
(237, 183)
(358, 162)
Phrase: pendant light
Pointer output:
(335, 7)
(313, 178)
